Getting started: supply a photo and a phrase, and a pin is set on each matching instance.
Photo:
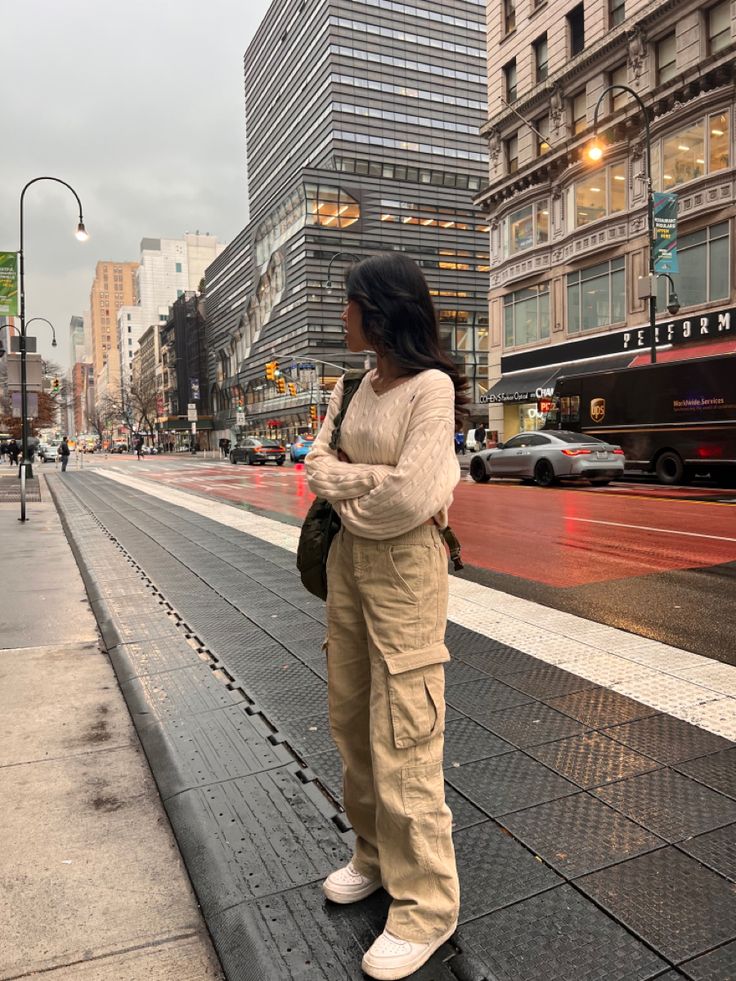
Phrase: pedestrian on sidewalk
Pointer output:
(64, 453)
(139, 447)
(387, 609)
(460, 442)
(13, 452)
(480, 437)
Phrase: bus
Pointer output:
(674, 419)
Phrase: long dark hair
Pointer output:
(399, 318)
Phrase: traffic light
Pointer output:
(271, 367)
(281, 385)
(313, 412)
(55, 386)
(292, 388)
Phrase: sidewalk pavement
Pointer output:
(92, 885)
(595, 834)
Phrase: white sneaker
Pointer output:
(389, 958)
(348, 885)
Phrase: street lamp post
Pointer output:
(338, 255)
(81, 234)
(595, 153)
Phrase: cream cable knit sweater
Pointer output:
(403, 466)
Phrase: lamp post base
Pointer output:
(28, 468)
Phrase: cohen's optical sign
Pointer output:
(8, 284)
(664, 242)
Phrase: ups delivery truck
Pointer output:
(673, 419)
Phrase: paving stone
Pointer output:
(717, 771)
(598, 707)
(254, 836)
(669, 804)
(716, 849)
(508, 783)
(718, 965)
(478, 698)
(497, 658)
(557, 936)
(465, 741)
(176, 694)
(579, 834)
(464, 814)
(669, 900)
(495, 870)
(531, 724)
(592, 759)
(546, 681)
(328, 768)
(667, 739)
(457, 672)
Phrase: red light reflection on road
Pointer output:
(545, 535)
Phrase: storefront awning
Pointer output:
(521, 386)
(528, 386)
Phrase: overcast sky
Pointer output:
(139, 106)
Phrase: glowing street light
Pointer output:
(595, 152)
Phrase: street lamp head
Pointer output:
(53, 343)
(673, 307)
(595, 151)
(81, 232)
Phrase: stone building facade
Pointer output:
(569, 240)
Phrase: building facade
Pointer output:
(130, 325)
(569, 240)
(362, 124)
(77, 340)
(114, 286)
(184, 365)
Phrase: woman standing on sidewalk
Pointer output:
(391, 483)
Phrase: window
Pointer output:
(599, 194)
(690, 153)
(542, 135)
(331, 206)
(526, 316)
(596, 296)
(579, 107)
(666, 58)
(509, 77)
(576, 29)
(130, 329)
(541, 58)
(719, 27)
(512, 154)
(619, 76)
(704, 268)
(616, 12)
(509, 16)
(178, 267)
(525, 228)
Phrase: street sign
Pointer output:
(240, 418)
(191, 412)
(194, 429)
(32, 400)
(34, 372)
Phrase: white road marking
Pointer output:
(661, 531)
(686, 685)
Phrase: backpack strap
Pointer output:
(453, 543)
(350, 384)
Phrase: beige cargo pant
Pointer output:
(386, 617)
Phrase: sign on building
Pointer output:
(191, 412)
(664, 238)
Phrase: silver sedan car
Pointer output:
(545, 457)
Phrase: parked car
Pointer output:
(545, 457)
(300, 447)
(256, 450)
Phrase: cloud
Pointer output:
(140, 108)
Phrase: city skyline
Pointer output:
(90, 113)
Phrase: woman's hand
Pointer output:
(343, 457)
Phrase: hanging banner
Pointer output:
(664, 237)
(8, 284)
